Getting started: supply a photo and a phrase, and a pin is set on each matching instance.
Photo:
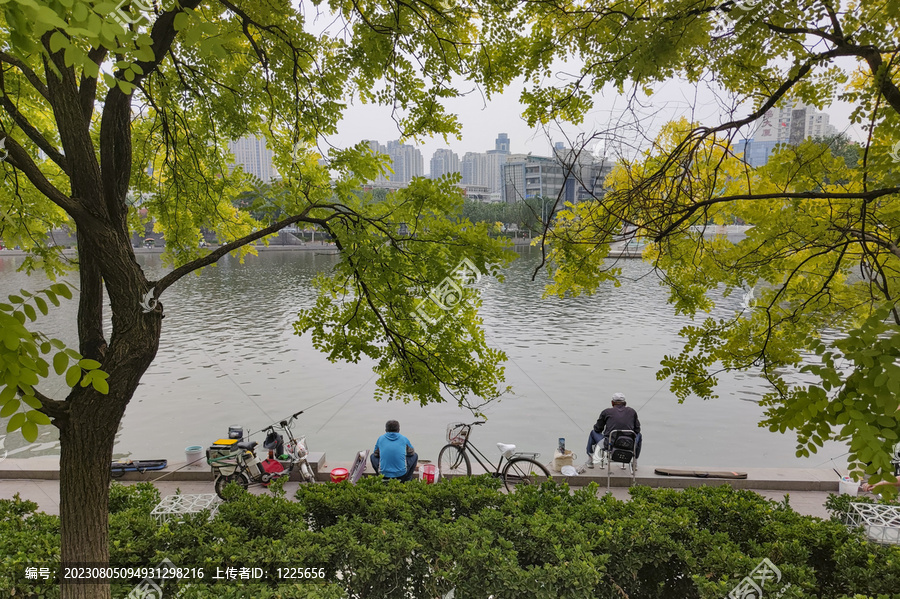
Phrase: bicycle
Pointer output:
(519, 468)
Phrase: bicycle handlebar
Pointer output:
(479, 422)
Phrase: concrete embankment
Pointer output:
(37, 479)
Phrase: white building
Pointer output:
(254, 157)
(443, 162)
(407, 162)
(791, 125)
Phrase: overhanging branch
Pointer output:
(802, 195)
(215, 255)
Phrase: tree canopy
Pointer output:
(113, 112)
(822, 257)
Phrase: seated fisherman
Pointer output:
(619, 417)
(394, 456)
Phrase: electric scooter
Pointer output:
(235, 460)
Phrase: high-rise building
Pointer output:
(567, 176)
(501, 144)
(254, 157)
(486, 169)
(443, 162)
(785, 125)
(474, 169)
(406, 161)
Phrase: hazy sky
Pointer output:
(482, 120)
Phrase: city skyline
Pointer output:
(484, 168)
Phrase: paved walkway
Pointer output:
(46, 493)
(37, 479)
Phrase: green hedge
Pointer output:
(420, 541)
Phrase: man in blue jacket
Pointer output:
(394, 456)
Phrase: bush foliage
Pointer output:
(413, 540)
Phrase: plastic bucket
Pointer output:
(429, 473)
(848, 487)
(195, 456)
(339, 474)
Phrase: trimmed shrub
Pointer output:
(383, 540)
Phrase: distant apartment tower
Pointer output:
(501, 144)
(407, 162)
(254, 157)
(378, 149)
(786, 125)
(486, 169)
(443, 162)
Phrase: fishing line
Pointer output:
(346, 402)
(236, 384)
(222, 370)
(579, 425)
(651, 397)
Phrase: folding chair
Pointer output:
(621, 447)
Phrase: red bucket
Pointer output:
(339, 474)
(429, 473)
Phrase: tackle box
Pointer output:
(220, 448)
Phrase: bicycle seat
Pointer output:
(506, 449)
(248, 445)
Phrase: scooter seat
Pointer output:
(248, 445)
(506, 449)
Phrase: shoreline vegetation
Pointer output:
(466, 538)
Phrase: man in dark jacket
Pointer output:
(617, 418)
(394, 456)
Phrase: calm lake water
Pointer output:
(229, 356)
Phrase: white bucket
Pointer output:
(194, 456)
(848, 487)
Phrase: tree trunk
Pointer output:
(88, 432)
(86, 452)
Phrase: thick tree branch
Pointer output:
(29, 74)
(215, 255)
(74, 134)
(87, 91)
(877, 240)
(58, 410)
(163, 34)
(689, 211)
(36, 136)
(20, 159)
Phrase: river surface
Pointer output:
(229, 356)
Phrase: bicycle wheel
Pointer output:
(523, 471)
(453, 461)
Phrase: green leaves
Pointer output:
(23, 360)
(399, 299)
